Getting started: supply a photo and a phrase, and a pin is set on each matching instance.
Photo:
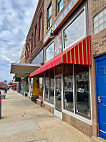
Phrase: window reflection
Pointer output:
(82, 91)
(40, 88)
(68, 88)
(49, 86)
(75, 30)
(50, 52)
(59, 5)
(51, 97)
(46, 86)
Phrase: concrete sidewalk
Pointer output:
(24, 121)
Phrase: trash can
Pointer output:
(0, 103)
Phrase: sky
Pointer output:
(15, 20)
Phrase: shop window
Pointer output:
(49, 86)
(40, 88)
(49, 53)
(51, 96)
(100, 21)
(68, 87)
(75, 31)
(38, 59)
(46, 86)
(59, 5)
(49, 16)
(82, 91)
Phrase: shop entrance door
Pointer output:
(101, 94)
(57, 97)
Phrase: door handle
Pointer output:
(99, 99)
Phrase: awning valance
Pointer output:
(79, 53)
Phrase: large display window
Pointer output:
(76, 90)
(51, 95)
(68, 87)
(46, 98)
(49, 52)
(76, 30)
(82, 91)
(49, 86)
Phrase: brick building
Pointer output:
(69, 38)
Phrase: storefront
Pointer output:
(67, 89)
(67, 68)
(22, 72)
(37, 83)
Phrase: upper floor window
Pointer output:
(59, 5)
(40, 27)
(49, 53)
(35, 36)
(76, 30)
(49, 16)
(100, 21)
(31, 42)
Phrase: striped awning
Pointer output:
(80, 53)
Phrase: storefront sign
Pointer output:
(62, 16)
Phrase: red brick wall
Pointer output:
(54, 13)
(99, 39)
(35, 49)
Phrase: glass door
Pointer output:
(58, 98)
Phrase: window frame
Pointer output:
(45, 101)
(83, 9)
(57, 6)
(99, 24)
(47, 48)
(40, 27)
(35, 35)
(49, 18)
(74, 114)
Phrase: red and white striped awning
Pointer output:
(80, 53)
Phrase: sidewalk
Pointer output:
(24, 121)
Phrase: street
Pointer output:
(24, 121)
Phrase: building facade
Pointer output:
(68, 39)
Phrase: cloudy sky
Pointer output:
(15, 20)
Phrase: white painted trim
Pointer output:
(52, 105)
(78, 117)
(103, 132)
(58, 113)
(86, 120)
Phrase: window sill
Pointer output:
(81, 118)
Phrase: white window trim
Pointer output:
(71, 21)
(78, 117)
(74, 114)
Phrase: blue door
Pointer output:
(100, 64)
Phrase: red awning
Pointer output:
(80, 53)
